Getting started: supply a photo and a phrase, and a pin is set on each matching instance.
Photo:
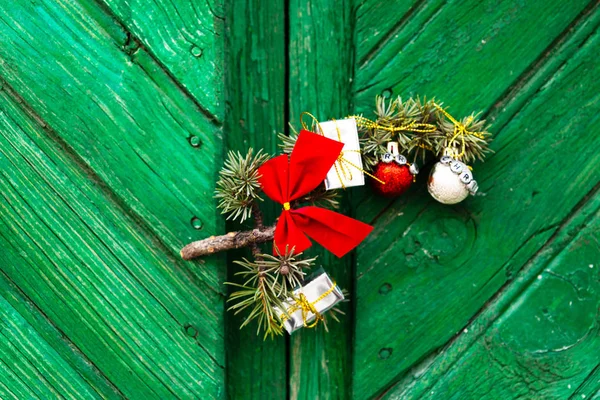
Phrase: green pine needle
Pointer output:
(267, 282)
(398, 112)
(238, 187)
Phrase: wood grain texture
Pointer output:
(320, 73)
(255, 113)
(581, 222)
(385, 20)
(186, 37)
(118, 113)
(425, 250)
(545, 344)
(30, 368)
(108, 289)
(110, 142)
(488, 47)
(118, 187)
(50, 343)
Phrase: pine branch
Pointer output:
(394, 120)
(468, 147)
(269, 280)
(238, 187)
(395, 114)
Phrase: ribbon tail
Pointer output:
(288, 236)
(336, 232)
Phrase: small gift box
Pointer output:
(348, 169)
(309, 302)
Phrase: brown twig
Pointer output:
(258, 216)
(232, 240)
(258, 224)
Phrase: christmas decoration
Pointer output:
(422, 127)
(316, 162)
(296, 182)
(286, 180)
(308, 302)
(395, 174)
(347, 171)
(451, 181)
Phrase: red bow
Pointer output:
(285, 180)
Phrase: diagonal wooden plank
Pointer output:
(320, 73)
(97, 278)
(185, 37)
(38, 366)
(431, 269)
(546, 342)
(543, 69)
(255, 96)
(51, 340)
(590, 388)
(118, 113)
(581, 223)
(468, 64)
(380, 22)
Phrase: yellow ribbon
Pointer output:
(303, 304)
(412, 127)
(339, 163)
(459, 130)
(286, 206)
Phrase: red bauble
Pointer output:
(397, 179)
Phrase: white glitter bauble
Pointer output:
(445, 185)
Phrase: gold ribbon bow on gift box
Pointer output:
(302, 303)
(342, 164)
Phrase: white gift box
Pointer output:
(349, 172)
(313, 292)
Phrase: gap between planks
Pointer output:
(131, 38)
(495, 307)
(531, 78)
(117, 202)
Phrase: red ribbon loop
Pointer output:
(285, 180)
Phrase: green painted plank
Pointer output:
(54, 342)
(581, 222)
(320, 74)
(385, 21)
(503, 111)
(466, 53)
(97, 277)
(590, 388)
(118, 113)
(186, 37)
(255, 97)
(456, 237)
(547, 342)
(39, 367)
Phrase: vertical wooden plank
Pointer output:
(321, 70)
(255, 109)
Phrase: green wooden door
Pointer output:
(114, 118)
(110, 141)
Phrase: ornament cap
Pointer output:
(414, 168)
(392, 147)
